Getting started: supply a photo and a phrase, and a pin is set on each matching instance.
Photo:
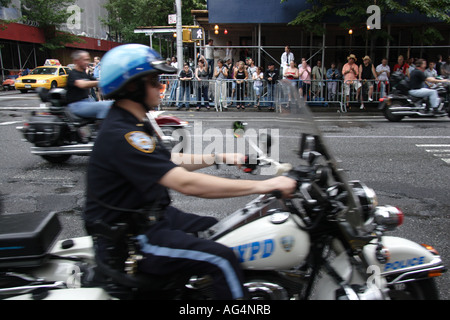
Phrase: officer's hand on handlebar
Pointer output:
(282, 184)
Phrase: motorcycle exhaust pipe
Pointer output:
(257, 289)
(266, 290)
(74, 149)
(409, 113)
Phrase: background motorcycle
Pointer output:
(327, 242)
(399, 103)
(57, 133)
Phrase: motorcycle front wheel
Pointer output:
(415, 290)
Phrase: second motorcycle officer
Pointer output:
(129, 170)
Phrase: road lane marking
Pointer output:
(388, 137)
(18, 98)
(433, 145)
(437, 150)
(9, 122)
(25, 108)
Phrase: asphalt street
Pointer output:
(406, 163)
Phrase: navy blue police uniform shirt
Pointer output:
(124, 168)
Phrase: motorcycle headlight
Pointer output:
(367, 198)
(389, 217)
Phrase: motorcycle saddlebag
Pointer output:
(26, 238)
(43, 130)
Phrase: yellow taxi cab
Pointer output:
(51, 75)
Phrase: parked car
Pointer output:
(8, 83)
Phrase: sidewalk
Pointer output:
(335, 108)
(330, 108)
(9, 92)
(371, 107)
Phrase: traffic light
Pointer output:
(197, 33)
(187, 35)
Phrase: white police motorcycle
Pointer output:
(327, 242)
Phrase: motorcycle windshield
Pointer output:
(296, 139)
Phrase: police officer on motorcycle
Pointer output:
(418, 88)
(130, 172)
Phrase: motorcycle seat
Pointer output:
(78, 121)
(416, 99)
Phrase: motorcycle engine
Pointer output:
(359, 292)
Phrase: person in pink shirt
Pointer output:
(350, 72)
(304, 72)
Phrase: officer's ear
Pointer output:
(135, 90)
(131, 86)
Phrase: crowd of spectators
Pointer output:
(243, 84)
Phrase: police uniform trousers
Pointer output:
(169, 246)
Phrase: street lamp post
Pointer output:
(179, 28)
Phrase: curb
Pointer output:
(9, 92)
(354, 108)
(335, 108)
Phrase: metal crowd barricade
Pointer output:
(170, 94)
(326, 92)
(249, 93)
(364, 91)
(321, 92)
(223, 94)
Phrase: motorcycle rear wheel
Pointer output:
(390, 116)
(58, 158)
(415, 290)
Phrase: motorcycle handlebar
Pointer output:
(251, 162)
(277, 194)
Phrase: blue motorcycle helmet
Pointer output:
(126, 64)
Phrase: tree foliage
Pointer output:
(353, 12)
(126, 15)
(50, 15)
(5, 3)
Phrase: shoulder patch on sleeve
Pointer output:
(141, 141)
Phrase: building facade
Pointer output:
(262, 28)
(21, 43)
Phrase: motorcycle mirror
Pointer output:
(239, 129)
(265, 142)
(307, 145)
